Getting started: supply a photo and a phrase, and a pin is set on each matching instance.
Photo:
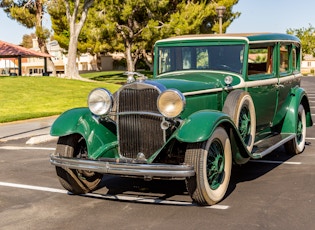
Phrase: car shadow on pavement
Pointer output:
(176, 190)
(257, 168)
(155, 189)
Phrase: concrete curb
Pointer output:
(41, 139)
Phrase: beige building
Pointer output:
(308, 65)
(85, 62)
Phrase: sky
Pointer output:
(256, 16)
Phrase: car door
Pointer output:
(262, 83)
(288, 76)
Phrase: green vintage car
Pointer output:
(214, 101)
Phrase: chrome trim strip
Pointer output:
(230, 38)
(126, 169)
(205, 91)
(139, 113)
(247, 84)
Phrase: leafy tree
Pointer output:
(307, 37)
(75, 12)
(27, 40)
(133, 27)
(29, 13)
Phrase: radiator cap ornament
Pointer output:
(131, 78)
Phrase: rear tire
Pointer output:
(297, 145)
(212, 161)
(73, 180)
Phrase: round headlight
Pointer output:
(171, 103)
(100, 101)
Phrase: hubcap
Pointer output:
(215, 164)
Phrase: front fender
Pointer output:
(100, 137)
(298, 96)
(200, 125)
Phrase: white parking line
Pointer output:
(25, 148)
(38, 188)
(277, 162)
(113, 197)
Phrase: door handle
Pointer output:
(279, 86)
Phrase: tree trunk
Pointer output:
(71, 70)
(41, 40)
(129, 60)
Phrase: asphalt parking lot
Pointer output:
(277, 192)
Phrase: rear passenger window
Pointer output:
(284, 59)
(260, 60)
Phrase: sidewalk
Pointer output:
(37, 130)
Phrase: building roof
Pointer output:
(11, 50)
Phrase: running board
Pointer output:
(266, 146)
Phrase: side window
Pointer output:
(284, 59)
(260, 60)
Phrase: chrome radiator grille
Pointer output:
(138, 122)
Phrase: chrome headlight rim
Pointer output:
(174, 107)
(100, 101)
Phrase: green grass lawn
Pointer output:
(31, 97)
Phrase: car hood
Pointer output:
(189, 82)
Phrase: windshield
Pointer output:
(218, 57)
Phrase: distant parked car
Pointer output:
(214, 101)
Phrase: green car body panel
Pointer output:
(298, 96)
(101, 138)
(234, 92)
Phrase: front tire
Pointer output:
(212, 161)
(76, 181)
(297, 145)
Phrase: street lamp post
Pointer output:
(220, 11)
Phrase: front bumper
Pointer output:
(147, 171)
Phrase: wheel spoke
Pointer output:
(215, 165)
(244, 124)
(299, 131)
